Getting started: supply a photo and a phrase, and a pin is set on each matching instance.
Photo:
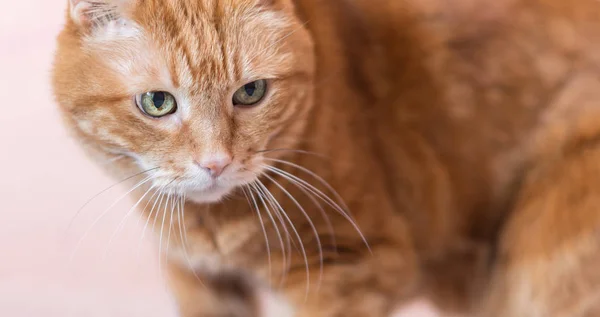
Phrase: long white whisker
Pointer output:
(180, 216)
(102, 192)
(262, 225)
(316, 176)
(183, 217)
(156, 192)
(310, 196)
(173, 204)
(122, 223)
(162, 228)
(286, 252)
(302, 249)
(310, 222)
(103, 214)
(162, 197)
(180, 208)
(273, 206)
(160, 194)
(325, 199)
(342, 209)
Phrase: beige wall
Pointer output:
(44, 179)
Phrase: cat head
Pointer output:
(194, 90)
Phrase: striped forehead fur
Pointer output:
(198, 41)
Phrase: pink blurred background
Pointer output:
(44, 180)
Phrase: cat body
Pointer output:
(402, 149)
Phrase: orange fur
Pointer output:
(461, 136)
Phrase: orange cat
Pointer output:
(340, 157)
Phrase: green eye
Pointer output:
(251, 93)
(157, 103)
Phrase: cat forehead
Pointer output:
(232, 41)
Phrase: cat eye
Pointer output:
(157, 103)
(250, 94)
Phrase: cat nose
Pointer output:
(215, 164)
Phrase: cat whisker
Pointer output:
(183, 217)
(122, 223)
(262, 225)
(317, 177)
(310, 196)
(291, 223)
(103, 214)
(277, 231)
(287, 249)
(310, 222)
(102, 192)
(160, 203)
(156, 192)
(183, 235)
(180, 207)
(324, 198)
(173, 204)
(342, 210)
(162, 228)
(158, 197)
(159, 206)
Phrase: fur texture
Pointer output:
(458, 139)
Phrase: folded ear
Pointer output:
(92, 13)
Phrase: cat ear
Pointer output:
(92, 13)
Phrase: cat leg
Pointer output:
(355, 283)
(215, 295)
(371, 285)
(549, 253)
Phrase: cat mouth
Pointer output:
(210, 194)
(213, 190)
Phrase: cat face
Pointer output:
(196, 90)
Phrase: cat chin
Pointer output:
(213, 195)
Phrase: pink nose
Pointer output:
(215, 165)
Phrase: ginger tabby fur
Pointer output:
(461, 135)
